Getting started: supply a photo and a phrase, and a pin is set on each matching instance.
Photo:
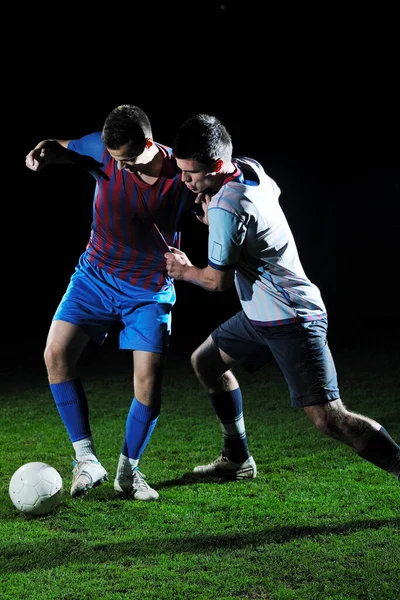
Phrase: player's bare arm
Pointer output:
(53, 151)
(48, 152)
(179, 267)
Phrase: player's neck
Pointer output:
(228, 169)
(151, 171)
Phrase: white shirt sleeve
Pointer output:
(225, 238)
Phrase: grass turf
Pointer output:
(318, 523)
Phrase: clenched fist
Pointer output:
(177, 263)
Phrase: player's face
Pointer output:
(125, 159)
(195, 175)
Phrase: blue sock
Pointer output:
(228, 407)
(72, 405)
(140, 424)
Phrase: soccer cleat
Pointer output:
(86, 474)
(223, 467)
(133, 485)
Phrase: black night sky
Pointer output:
(312, 96)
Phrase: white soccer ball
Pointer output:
(36, 488)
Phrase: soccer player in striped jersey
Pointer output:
(283, 315)
(139, 200)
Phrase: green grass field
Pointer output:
(318, 523)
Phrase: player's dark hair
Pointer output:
(203, 138)
(126, 124)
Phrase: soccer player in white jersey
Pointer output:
(283, 315)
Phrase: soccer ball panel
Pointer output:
(43, 488)
(36, 488)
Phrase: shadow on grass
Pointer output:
(191, 478)
(36, 555)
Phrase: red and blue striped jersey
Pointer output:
(134, 222)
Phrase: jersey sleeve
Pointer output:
(89, 145)
(226, 234)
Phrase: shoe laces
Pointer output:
(75, 461)
(138, 481)
(221, 458)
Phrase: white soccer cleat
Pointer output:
(223, 467)
(87, 474)
(133, 485)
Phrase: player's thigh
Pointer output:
(147, 322)
(304, 357)
(239, 343)
(89, 303)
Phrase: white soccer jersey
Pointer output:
(248, 231)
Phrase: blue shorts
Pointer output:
(300, 349)
(96, 300)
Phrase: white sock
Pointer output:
(85, 449)
(125, 464)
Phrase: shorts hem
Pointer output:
(154, 350)
(302, 402)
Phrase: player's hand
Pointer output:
(51, 152)
(203, 200)
(45, 153)
(177, 262)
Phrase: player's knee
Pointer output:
(322, 424)
(196, 362)
(319, 416)
(54, 357)
(207, 363)
(49, 356)
(328, 418)
(203, 368)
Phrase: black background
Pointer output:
(311, 93)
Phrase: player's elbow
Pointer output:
(225, 285)
(221, 283)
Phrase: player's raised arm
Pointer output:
(48, 152)
(53, 151)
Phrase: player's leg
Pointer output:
(64, 346)
(84, 313)
(147, 329)
(368, 438)
(140, 423)
(212, 363)
(305, 359)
